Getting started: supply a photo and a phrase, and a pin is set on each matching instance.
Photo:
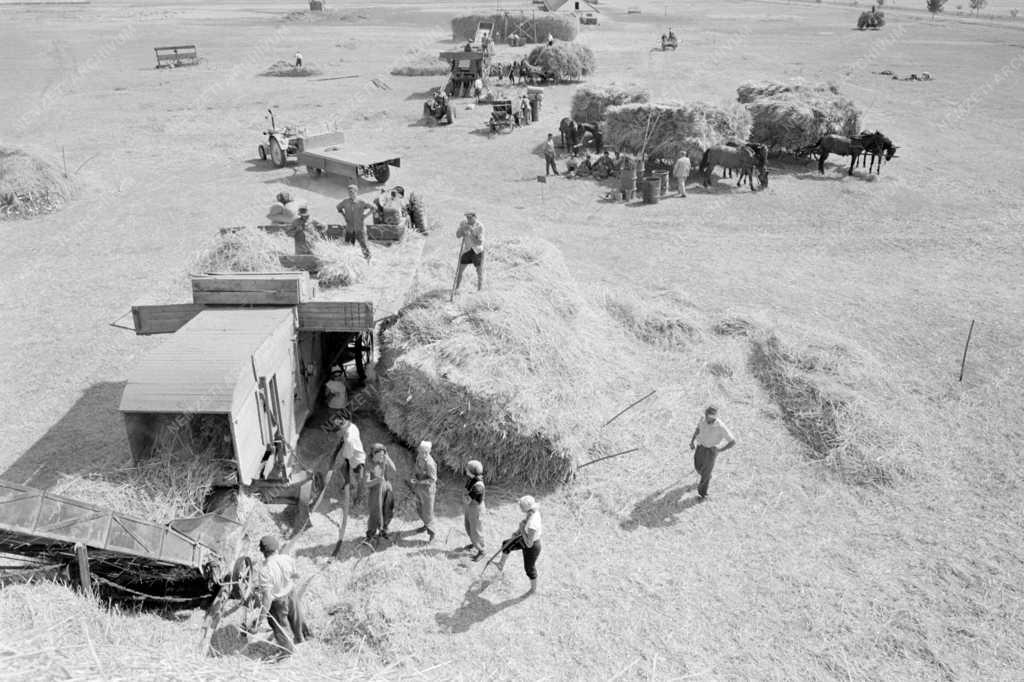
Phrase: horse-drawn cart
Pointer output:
(330, 153)
(502, 116)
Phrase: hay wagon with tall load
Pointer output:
(332, 153)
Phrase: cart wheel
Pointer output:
(364, 353)
(262, 153)
(381, 172)
(277, 155)
(242, 579)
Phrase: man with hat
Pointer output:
(472, 251)
(336, 390)
(473, 507)
(709, 435)
(279, 605)
(350, 452)
(305, 232)
(355, 211)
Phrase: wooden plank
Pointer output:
(279, 289)
(84, 574)
(163, 319)
(335, 316)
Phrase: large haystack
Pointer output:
(420, 63)
(590, 101)
(29, 186)
(671, 129)
(568, 61)
(793, 120)
(750, 91)
(284, 69)
(534, 30)
(516, 376)
(871, 19)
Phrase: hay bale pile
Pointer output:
(590, 101)
(672, 129)
(501, 375)
(558, 26)
(789, 117)
(186, 461)
(289, 70)
(29, 186)
(871, 19)
(567, 61)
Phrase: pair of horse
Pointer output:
(875, 146)
(574, 134)
(746, 158)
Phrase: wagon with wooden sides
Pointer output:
(331, 153)
(176, 55)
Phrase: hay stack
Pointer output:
(871, 19)
(590, 101)
(750, 91)
(568, 61)
(289, 70)
(501, 375)
(29, 186)
(340, 264)
(558, 26)
(186, 460)
(421, 63)
(672, 129)
(797, 119)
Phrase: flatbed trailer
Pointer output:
(330, 153)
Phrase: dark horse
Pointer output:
(746, 159)
(570, 131)
(876, 148)
(876, 144)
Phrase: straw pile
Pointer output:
(289, 70)
(827, 392)
(671, 129)
(590, 101)
(421, 63)
(558, 26)
(187, 459)
(568, 61)
(667, 322)
(340, 264)
(871, 19)
(750, 91)
(29, 186)
(796, 119)
(500, 375)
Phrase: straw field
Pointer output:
(421, 63)
(671, 129)
(30, 186)
(590, 101)
(559, 27)
(568, 61)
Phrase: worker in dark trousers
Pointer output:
(549, 156)
(709, 436)
(279, 603)
(526, 539)
(473, 508)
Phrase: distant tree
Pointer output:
(934, 6)
(978, 5)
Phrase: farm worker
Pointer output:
(549, 156)
(355, 211)
(709, 436)
(478, 88)
(468, 47)
(551, 40)
(681, 171)
(525, 539)
(524, 107)
(473, 507)
(671, 35)
(336, 390)
(472, 233)
(298, 59)
(380, 500)
(305, 232)
(350, 449)
(284, 209)
(424, 485)
(572, 164)
(279, 605)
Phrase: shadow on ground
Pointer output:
(660, 509)
(474, 609)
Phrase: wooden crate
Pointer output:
(335, 316)
(278, 288)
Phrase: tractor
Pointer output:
(280, 143)
(438, 108)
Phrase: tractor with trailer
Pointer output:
(280, 143)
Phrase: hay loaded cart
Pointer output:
(250, 353)
(330, 153)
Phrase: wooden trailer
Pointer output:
(331, 153)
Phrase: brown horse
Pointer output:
(745, 159)
(876, 144)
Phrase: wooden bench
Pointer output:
(176, 55)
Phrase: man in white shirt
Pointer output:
(709, 435)
(277, 591)
(335, 390)
(471, 231)
(351, 455)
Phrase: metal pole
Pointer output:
(964, 360)
(628, 407)
(599, 459)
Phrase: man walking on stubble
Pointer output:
(709, 435)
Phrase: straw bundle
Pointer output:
(748, 92)
(289, 70)
(797, 119)
(187, 459)
(590, 101)
(671, 129)
(535, 30)
(666, 321)
(340, 264)
(568, 61)
(500, 375)
(29, 186)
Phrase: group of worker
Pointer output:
(624, 166)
